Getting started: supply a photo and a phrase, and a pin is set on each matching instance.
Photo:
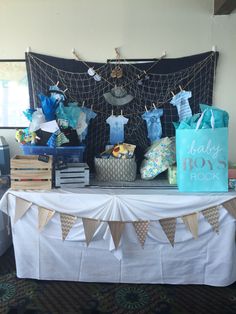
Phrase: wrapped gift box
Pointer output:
(172, 175)
(232, 173)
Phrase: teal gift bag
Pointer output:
(202, 160)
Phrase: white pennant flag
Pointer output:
(44, 215)
(116, 228)
(191, 221)
(21, 208)
(90, 227)
(169, 225)
(212, 216)
(67, 222)
(141, 229)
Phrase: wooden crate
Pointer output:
(27, 172)
(74, 176)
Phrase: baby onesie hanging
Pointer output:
(153, 122)
(116, 128)
(81, 125)
(181, 102)
(90, 114)
(71, 113)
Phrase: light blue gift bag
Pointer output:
(202, 159)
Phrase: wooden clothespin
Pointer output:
(91, 107)
(154, 106)
(57, 83)
(117, 53)
(112, 112)
(121, 112)
(180, 87)
(75, 54)
(146, 108)
(172, 93)
(83, 104)
(65, 90)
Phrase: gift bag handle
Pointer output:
(201, 117)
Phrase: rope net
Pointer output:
(148, 82)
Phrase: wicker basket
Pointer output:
(112, 169)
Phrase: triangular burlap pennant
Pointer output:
(116, 228)
(191, 221)
(90, 227)
(21, 208)
(141, 228)
(67, 222)
(231, 207)
(44, 215)
(212, 216)
(169, 225)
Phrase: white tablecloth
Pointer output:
(208, 260)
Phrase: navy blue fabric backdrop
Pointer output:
(149, 82)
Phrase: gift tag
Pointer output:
(44, 158)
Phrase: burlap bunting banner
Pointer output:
(191, 221)
(231, 207)
(67, 222)
(212, 216)
(116, 228)
(21, 208)
(141, 228)
(44, 215)
(90, 227)
(169, 226)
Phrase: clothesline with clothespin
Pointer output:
(137, 92)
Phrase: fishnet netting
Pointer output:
(148, 82)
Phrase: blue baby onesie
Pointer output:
(70, 113)
(89, 116)
(56, 93)
(116, 128)
(181, 102)
(153, 123)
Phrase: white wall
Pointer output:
(140, 28)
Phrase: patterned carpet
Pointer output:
(49, 297)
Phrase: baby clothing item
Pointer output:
(52, 140)
(56, 93)
(181, 102)
(61, 139)
(153, 124)
(116, 128)
(89, 116)
(57, 139)
(71, 113)
(81, 124)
